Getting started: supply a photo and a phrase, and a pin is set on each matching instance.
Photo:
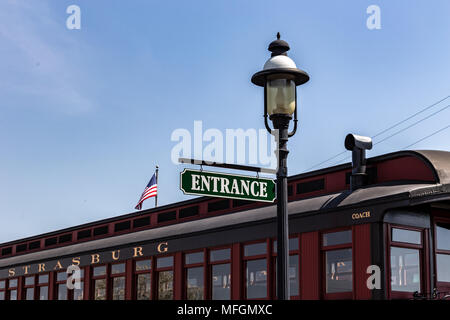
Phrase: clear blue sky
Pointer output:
(85, 115)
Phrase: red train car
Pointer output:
(389, 238)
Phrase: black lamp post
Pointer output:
(280, 78)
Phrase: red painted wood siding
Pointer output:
(310, 266)
(362, 259)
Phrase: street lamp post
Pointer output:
(280, 78)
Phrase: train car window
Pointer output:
(2, 284)
(165, 285)
(221, 281)
(256, 267)
(293, 245)
(405, 269)
(61, 286)
(143, 265)
(100, 283)
(196, 257)
(338, 264)
(164, 278)
(443, 267)
(2, 289)
(218, 255)
(337, 238)
(118, 281)
(407, 236)
(43, 287)
(443, 236)
(78, 293)
(220, 277)
(29, 287)
(255, 249)
(195, 287)
(256, 279)
(443, 252)
(143, 279)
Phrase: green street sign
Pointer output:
(224, 185)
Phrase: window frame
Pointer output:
(392, 294)
(323, 251)
(4, 290)
(440, 285)
(12, 288)
(38, 286)
(273, 262)
(203, 264)
(111, 277)
(210, 265)
(152, 276)
(94, 278)
(266, 256)
(162, 269)
(29, 286)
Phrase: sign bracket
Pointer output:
(227, 165)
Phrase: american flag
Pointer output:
(151, 190)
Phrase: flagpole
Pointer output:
(156, 197)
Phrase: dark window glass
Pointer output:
(219, 255)
(119, 288)
(221, 281)
(100, 231)
(2, 284)
(21, 247)
(117, 268)
(218, 205)
(2, 295)
(310, 186)
(141, 222)
(195, 288)
(196, 257)
(34, 245)
(29, 294)
(13, 294)
(443, 236)
(78, 293)
(51, 241)
(335, 238)
(84, 234)
(13, 283)
(65, 238)
(256, 275)
(338, 270)
(408, 236)
(29, 281)
(100, 289)
(293, 244)
(142, 265)
(239, 202)
(164, 262)
(165, 285)
(43, 293)
(43, 279)
(61, 276)
(405, 269)
(6, 251)
(255, 249)
(99, 271)
(443, 267)
(62, 291)
(188, 212)
(143, 286)
(167, 216)
(122, 226)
